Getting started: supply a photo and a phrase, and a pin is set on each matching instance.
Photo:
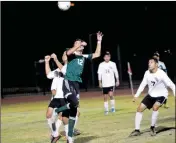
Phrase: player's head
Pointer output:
(153, 64)
(157, 56)
(58, 74)
(107, 56)
(81, 48)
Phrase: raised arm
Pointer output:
(98, 48)
(59, 65)
(47, 66)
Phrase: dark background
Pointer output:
(31, 30)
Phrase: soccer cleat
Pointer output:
(55, 139)
(112, 110)
(106, 112)
(135, 133)
(76, 132)
(152, 131)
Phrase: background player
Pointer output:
(162, 66)
(76, 60)
(157, 81)
(107, 73)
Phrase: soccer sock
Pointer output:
(76, 121)
(58, 123)
(106, 106)
(71, 124)
(154, 118)
(138, 120)
(50, 125)
(66, 130)
(63, 108)
(112, 103)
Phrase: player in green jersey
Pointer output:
(75, 65)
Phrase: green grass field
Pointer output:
(26, 123)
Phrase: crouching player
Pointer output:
(157, 81)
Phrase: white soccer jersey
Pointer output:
(51, 74)
(161, 65)
(57, 85)
(106, 73)
(157, 84)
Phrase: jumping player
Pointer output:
(76, 60)
(56, 101)
(107, 73)
(162, 66)
(157, 81)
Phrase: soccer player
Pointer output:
(56, 101)
(157, 81)
(76, 60)
(107, 73)
(162, 66)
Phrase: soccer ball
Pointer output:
(64, 5)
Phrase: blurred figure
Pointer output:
(162, 66)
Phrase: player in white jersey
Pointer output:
(162, 66)
(158, 82)
(57, 100)
(107, 72)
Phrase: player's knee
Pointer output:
(139, 109)
(48, 115)
(155, 108)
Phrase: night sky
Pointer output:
(31, 30)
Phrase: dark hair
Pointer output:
(58, 74)
(107, 53)
(156, 54)
(79, 40)
(152, 58)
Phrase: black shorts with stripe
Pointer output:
(149, 101)
(106, 90)
(57, 103)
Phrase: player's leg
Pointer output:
(106, 106)
(76, 131)
(112, 100)
(146, 103)
(71, 96)
(53, 121)
(155, 113)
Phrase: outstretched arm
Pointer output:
(142, 86)
(98, 48)
(167, 81)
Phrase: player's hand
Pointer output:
(135, 99)
(99, 36)
(117, 83)
(47, 58)
(100, 85)
(83, 43)
(54, 56)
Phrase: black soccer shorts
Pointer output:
(149, 101)
(106, 90)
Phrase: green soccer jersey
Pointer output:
(75, 66)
